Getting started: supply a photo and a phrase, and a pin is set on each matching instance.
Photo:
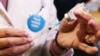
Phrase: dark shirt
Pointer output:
(64, 6)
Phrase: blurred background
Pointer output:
(94, 7)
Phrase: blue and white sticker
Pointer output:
(35, 23)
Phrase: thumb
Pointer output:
(88, 49)
(67, 26)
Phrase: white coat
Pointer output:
(38, 18)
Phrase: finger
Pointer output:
(93, 27)
(7, 42)
(91, 39)
(82, 32)
(83, 16)
(15, 50)
(98, 35)
(67, 26)
(12, 32)
(88, 19)
(81, 35)
(87, 48)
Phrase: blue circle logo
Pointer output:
(35, 23)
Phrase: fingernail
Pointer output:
(77, 11)
(30, 39)
(32, 43)
(26, 34)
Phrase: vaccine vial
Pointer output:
(70, 15)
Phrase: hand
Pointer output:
(74, 34)
(92, 28)
(13, 41)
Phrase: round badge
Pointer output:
(35, 23)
